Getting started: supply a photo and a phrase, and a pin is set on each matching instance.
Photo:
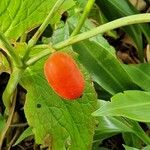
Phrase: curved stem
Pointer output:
(5, 45)
(83, 17)
(11, 86)
(41, 29)
(134, 19)
(8, 120)
(39, 56)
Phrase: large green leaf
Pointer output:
(17, 16)
(114, 9)
(105, 68)
(57, 122)
(100, 60)
(131, 104)
(108, 126)
(140, 74)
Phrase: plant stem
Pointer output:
(38, 33)
(8, 120)
(86, 11)
(39, 56)
(133, 19)
(5, 45)
(23, 37)
(11, 86)
(41, 29)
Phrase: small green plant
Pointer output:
(111, 99)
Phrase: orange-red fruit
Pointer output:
(64, 76)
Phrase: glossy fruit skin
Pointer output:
(64, 76)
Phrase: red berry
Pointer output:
(64, 76)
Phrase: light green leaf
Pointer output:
(129, 148)
(140, 74)
(131, 104)
(105, 68)
(146, 148)
(26, 133)
(17, 16)
(56, 122)
(108, 126)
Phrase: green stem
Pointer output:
(23, 37)
(5, 45)
(9, 120)
(41, 29)
(134, 19)
(11, 86)
(39, 56)
(86, 11)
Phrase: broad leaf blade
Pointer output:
(58, 123)
(17, 16)
(140, 74)
(105, 68)
(131, 104)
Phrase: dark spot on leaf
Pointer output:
(38, 105)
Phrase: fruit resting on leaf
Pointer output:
(64, 76)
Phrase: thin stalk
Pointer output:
(11, 86)
(39, 56)
(23, 37)
(8, 120)
(86, 11)
(41, 29)
(19, 125)
(8, 48)
(133, 19)
(9, 146)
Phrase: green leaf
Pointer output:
(132, 140)
(100, 60)
(131, 104)
(140, 74)
(26, 133)
(103, 65)
(146, 148)
(56, 122)
(129, 148)
(18, 17)
(114, 9)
